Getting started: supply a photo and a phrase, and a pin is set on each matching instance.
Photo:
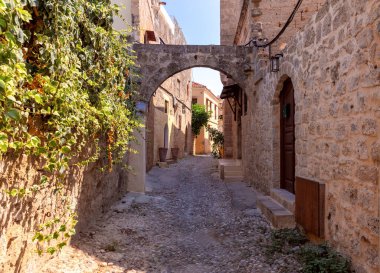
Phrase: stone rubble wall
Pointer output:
(229, 19)
(150, 16)
(269, 17)
(334, 66)
(88, 190)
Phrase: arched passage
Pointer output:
(160, 62)
(157, 63)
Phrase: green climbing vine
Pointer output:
(65, 82)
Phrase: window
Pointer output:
(215, 113)
(149, 36)
(179, 88)
(180, 122)
(187, 89)
(194, 101)
(166, 106)
(245, 104)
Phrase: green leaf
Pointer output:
(52, 144)
(24, 14)
(61, 245)
(3, 146)
(43, 180)
(38, 236)
(66, 149)
(2, 86)
(51, 250)
(62, 228)
(38, 98)
(3, 23)
(13, 114)
(55, 235)
(14, 192)
(35, 141)
(11, 98)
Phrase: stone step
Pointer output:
(276, 214)
(285, 198)
(232, 168)
(233, 179)
(171, 161)
(230, 171)
(227, 173)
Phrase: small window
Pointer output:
(179, 88)
(166, 106)
(194, 101)
(149, 36)
(245, 104)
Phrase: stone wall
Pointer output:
(229, 18)
(175, 88)
(203, 144)
(228, 117)
(89, 192)
(334, 66)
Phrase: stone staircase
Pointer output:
(230, 170)
(278, 208)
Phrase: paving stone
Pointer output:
(190, 221)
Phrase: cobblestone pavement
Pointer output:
(188, 222)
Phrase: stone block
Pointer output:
(276, 214)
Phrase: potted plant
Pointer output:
(175, 152)
(162, 154)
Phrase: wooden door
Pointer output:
(287, 137)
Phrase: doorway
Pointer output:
(287, 149)
(166, 136)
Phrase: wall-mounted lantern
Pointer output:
(275, 62)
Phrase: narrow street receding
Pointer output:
(188, 221)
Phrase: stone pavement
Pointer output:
(188, 222)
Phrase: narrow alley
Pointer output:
(189, 221)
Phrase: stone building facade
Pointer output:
(168, 119)
(331, 58)
(203, 96)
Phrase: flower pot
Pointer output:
(175, 152)
(162, 154)
(221, 152)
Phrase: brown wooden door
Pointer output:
(287, 137)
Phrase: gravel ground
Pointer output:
(186, 223)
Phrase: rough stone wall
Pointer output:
(334, 66)
(268, 18)
(203, 144)
(89, 193)
(228, 117)
(153, 17)
(158, 62)
(229, 18)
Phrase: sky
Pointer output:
(200, 22)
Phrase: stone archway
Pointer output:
(160, 62)
(157, 63)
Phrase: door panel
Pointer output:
(287, 137)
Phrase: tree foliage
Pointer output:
(199, 119)
(217, 138)
(64, 82)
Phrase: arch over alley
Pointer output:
(159, 62)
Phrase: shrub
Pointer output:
(314, 258)
(217, 138)
(199, 118)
